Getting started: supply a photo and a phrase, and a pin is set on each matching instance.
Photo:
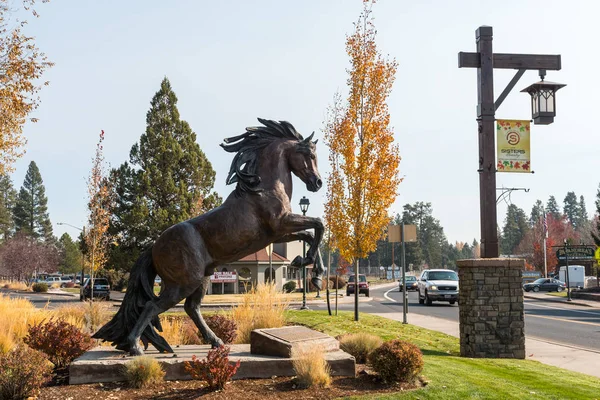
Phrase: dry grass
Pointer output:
(55, 286)
(15, 317)
(88, 316)
(262, 307)
(311, 367)
(143, 371)
(360, 345)
(15, 285)
(173, 329)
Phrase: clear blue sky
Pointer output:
(232, 61)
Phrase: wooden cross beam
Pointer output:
(512, 61)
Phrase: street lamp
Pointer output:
(82, 256)
(543, 100)
(543, 109)
(304, 203)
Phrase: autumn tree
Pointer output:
(100, 199)
(8, 198)
(22, 256)
(31, 208)
(363, 181)
(21, 67)
(168, 179)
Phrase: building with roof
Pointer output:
(239, 276)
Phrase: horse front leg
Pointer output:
(294, 224)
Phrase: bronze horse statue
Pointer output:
(256, 213)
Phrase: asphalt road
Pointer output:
(577, 326)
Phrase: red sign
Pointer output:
(223, 277)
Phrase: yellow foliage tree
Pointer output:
(364, 160)
(21, 66)
(100, 205)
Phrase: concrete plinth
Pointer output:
(281, 341)
(491, 308)
(105, 364)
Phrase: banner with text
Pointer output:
(512, 139)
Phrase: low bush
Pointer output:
(143, 371)
(40, 287)
(70, 285)
(311, 367)
(341, 282)
(60, 341)
(397, 361)
(23, 371)
(215, 370)
(360, 345)
(289, 286)
(225, 328)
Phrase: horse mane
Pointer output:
(248, 147)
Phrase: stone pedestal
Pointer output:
(491, 308)
(280, 342)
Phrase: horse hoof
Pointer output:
(136, 351)
(217, 343)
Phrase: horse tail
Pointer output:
(140, 290)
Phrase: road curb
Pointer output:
(557, 300)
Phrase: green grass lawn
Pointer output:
(453, 377)
(558, 294)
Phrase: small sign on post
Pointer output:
(597, 255)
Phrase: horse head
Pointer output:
(303, 162)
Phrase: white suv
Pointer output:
(438, 285)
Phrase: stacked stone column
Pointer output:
(491, 308)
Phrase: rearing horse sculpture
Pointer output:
(255, 214)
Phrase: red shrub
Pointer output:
(225, 328)
(22, 372)
(59, 340)
(215, 370)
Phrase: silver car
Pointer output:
(438, 285)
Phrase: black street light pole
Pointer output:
(543, 112)
(304, 203)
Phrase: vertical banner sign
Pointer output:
(512, 139)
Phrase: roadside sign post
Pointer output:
(408, 233)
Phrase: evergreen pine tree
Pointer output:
(552, 208)
(8, 197)
(583, 215)
(167, 180)
(537, 211)
(70, 255)
(571, 209)
(516, 226)
(31, 209)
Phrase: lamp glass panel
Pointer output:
(534, 101)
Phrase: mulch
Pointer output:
(366, 382)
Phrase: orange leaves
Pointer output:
(364, 160)
(100, 206)
(21, 66)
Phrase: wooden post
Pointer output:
(487, 145)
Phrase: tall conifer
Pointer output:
(31, 209)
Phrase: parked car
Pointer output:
(411, 283)
(545, 284)
(438, 285)
(101, 289)
(363, 285)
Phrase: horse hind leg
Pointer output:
(192, 308)
(167, 299)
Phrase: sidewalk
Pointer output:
(562, 356)
(561, 300)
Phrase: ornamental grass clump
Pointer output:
(216, 370)
(360, 345)
(311, 367)
(261, 307)
(23, 371)
(15, 316)
(397, 361)
(143, 372)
